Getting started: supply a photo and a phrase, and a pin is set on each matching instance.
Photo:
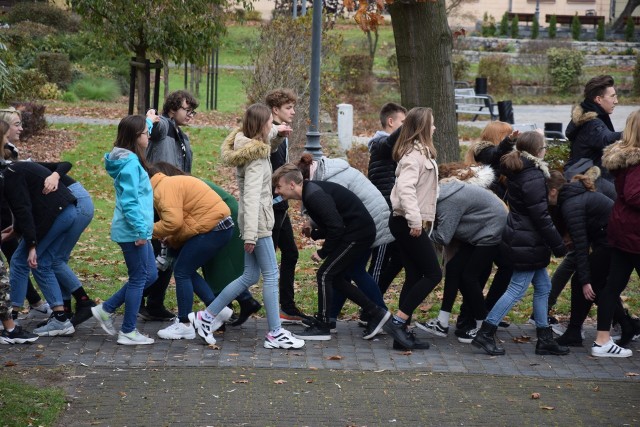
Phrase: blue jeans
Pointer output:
(194, 254)
(66, 277)
(262, 260)
(141, 267)
(517, 288)
(363, 280)
(48, 250)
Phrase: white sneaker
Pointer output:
(283, 340)
(43, 309)
(177, 331)
(104, 318)
(133, 338)
(204, 328)
(434, 327)
(609, 349)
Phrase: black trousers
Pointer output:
(622, 265)
(386, 264)
(283, 238)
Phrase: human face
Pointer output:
(395, 121)
(15, 128)
(284, 113)
(542, 151)
(267, 127)
(143, 138)
(608, 100)
(433, 127)
(287, 190)
(184, 114)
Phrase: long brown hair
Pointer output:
(416, 127)
(254, 120)
(631, 134)
(304, 164)
(129, 129)
(530, 142)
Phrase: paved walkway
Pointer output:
(345, 381)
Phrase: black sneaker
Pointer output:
(293, 316)
(376, 322)
(17, 336)
(400, 334)
(417, 344)
(319, 331)
(83, 312)
(155, 314)
(363, 320)
(467, 336)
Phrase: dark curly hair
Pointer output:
(278, 97)
(174, 101)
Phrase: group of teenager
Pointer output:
(502, 206)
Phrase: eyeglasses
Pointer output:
(544, 147)
(189, 111)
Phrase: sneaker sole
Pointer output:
(313, 337)
(175, 337)
(378, 327)
(129, 342)
(270, 345)
(621, 355)
(431, 331)
(56, 333)
(103, 325)
(465, 340)
(288, 321)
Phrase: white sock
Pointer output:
(11, 330)
(479, 324)
(443, 318)
(206, 316)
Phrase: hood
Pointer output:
(570, 190)
(483, 176)
(537, 163)
(449, 187)
(379, 135)
(156, 179)
(117, 159)
(617, 156)
(579, 116)
(328, 168)
(238, 150)
(477, 147)
(581, 166)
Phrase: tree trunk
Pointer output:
(423, 49)
(618, 26)
(141, 87)
(165, 71)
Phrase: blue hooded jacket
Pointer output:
(133, 215)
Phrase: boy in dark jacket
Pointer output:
(348, 229)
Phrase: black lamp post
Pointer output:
(313, 134)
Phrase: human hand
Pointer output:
(284, 130)
(587, 290)
(7, 233)
(153, 116)
(415, 232)
(249, 247)
(141, 242)
(51, 183)
(514, 135)
(315, 257)
(32, 259)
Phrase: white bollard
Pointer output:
(345, 126)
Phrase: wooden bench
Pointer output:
(468, 102)
(584, 20)
(522, 17)
(636, 19)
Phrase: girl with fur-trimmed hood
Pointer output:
(530, 237)
(470, 218)
(622, 159)
(248, 149)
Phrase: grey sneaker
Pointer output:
(133, 338)
(54, 327)
(104, 318)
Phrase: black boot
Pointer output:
(547, 345)
(247, 308)
(83, 311)
(572, 337)
(486, 340)
(630, 328)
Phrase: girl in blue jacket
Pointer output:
(131, 227)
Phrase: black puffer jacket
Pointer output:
(279, 158)
(590, 131)
(585, 214)
(382, 169)
(530, 236)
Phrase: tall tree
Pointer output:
(627, 11)
(423, 47)
(178, 29)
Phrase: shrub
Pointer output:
(69, 97)
(56, 66)
(488, 25)
(28, 84)
(498, 73)
(553, 27)
(576, 27)
(515, 27)
(636, 77)
(355, 73)
(460, 67)
(504, 24)
(42, 13)
(535, 28)
(33, 120)
(600, 31)
(49, 91)
(565, 68)
(94, 89)
(629, 29)
(557, 155)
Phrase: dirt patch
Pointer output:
(47, 146)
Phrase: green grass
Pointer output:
(100, 264)
(22, 404)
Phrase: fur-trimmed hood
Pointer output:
(579, 116)
(477, 147)
(537, 162)
(483, 176)
(616, 156)
(238, 150)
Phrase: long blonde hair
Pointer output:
(416, 127)
(631, 134)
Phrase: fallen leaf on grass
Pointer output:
(535, 395)
(548, 408)
(335, 357)
(596, 388)
(279, 381)
(240, 381)
(522, 339)
(122, 394)
(9, 364)
(631, 374)
(309, 381)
